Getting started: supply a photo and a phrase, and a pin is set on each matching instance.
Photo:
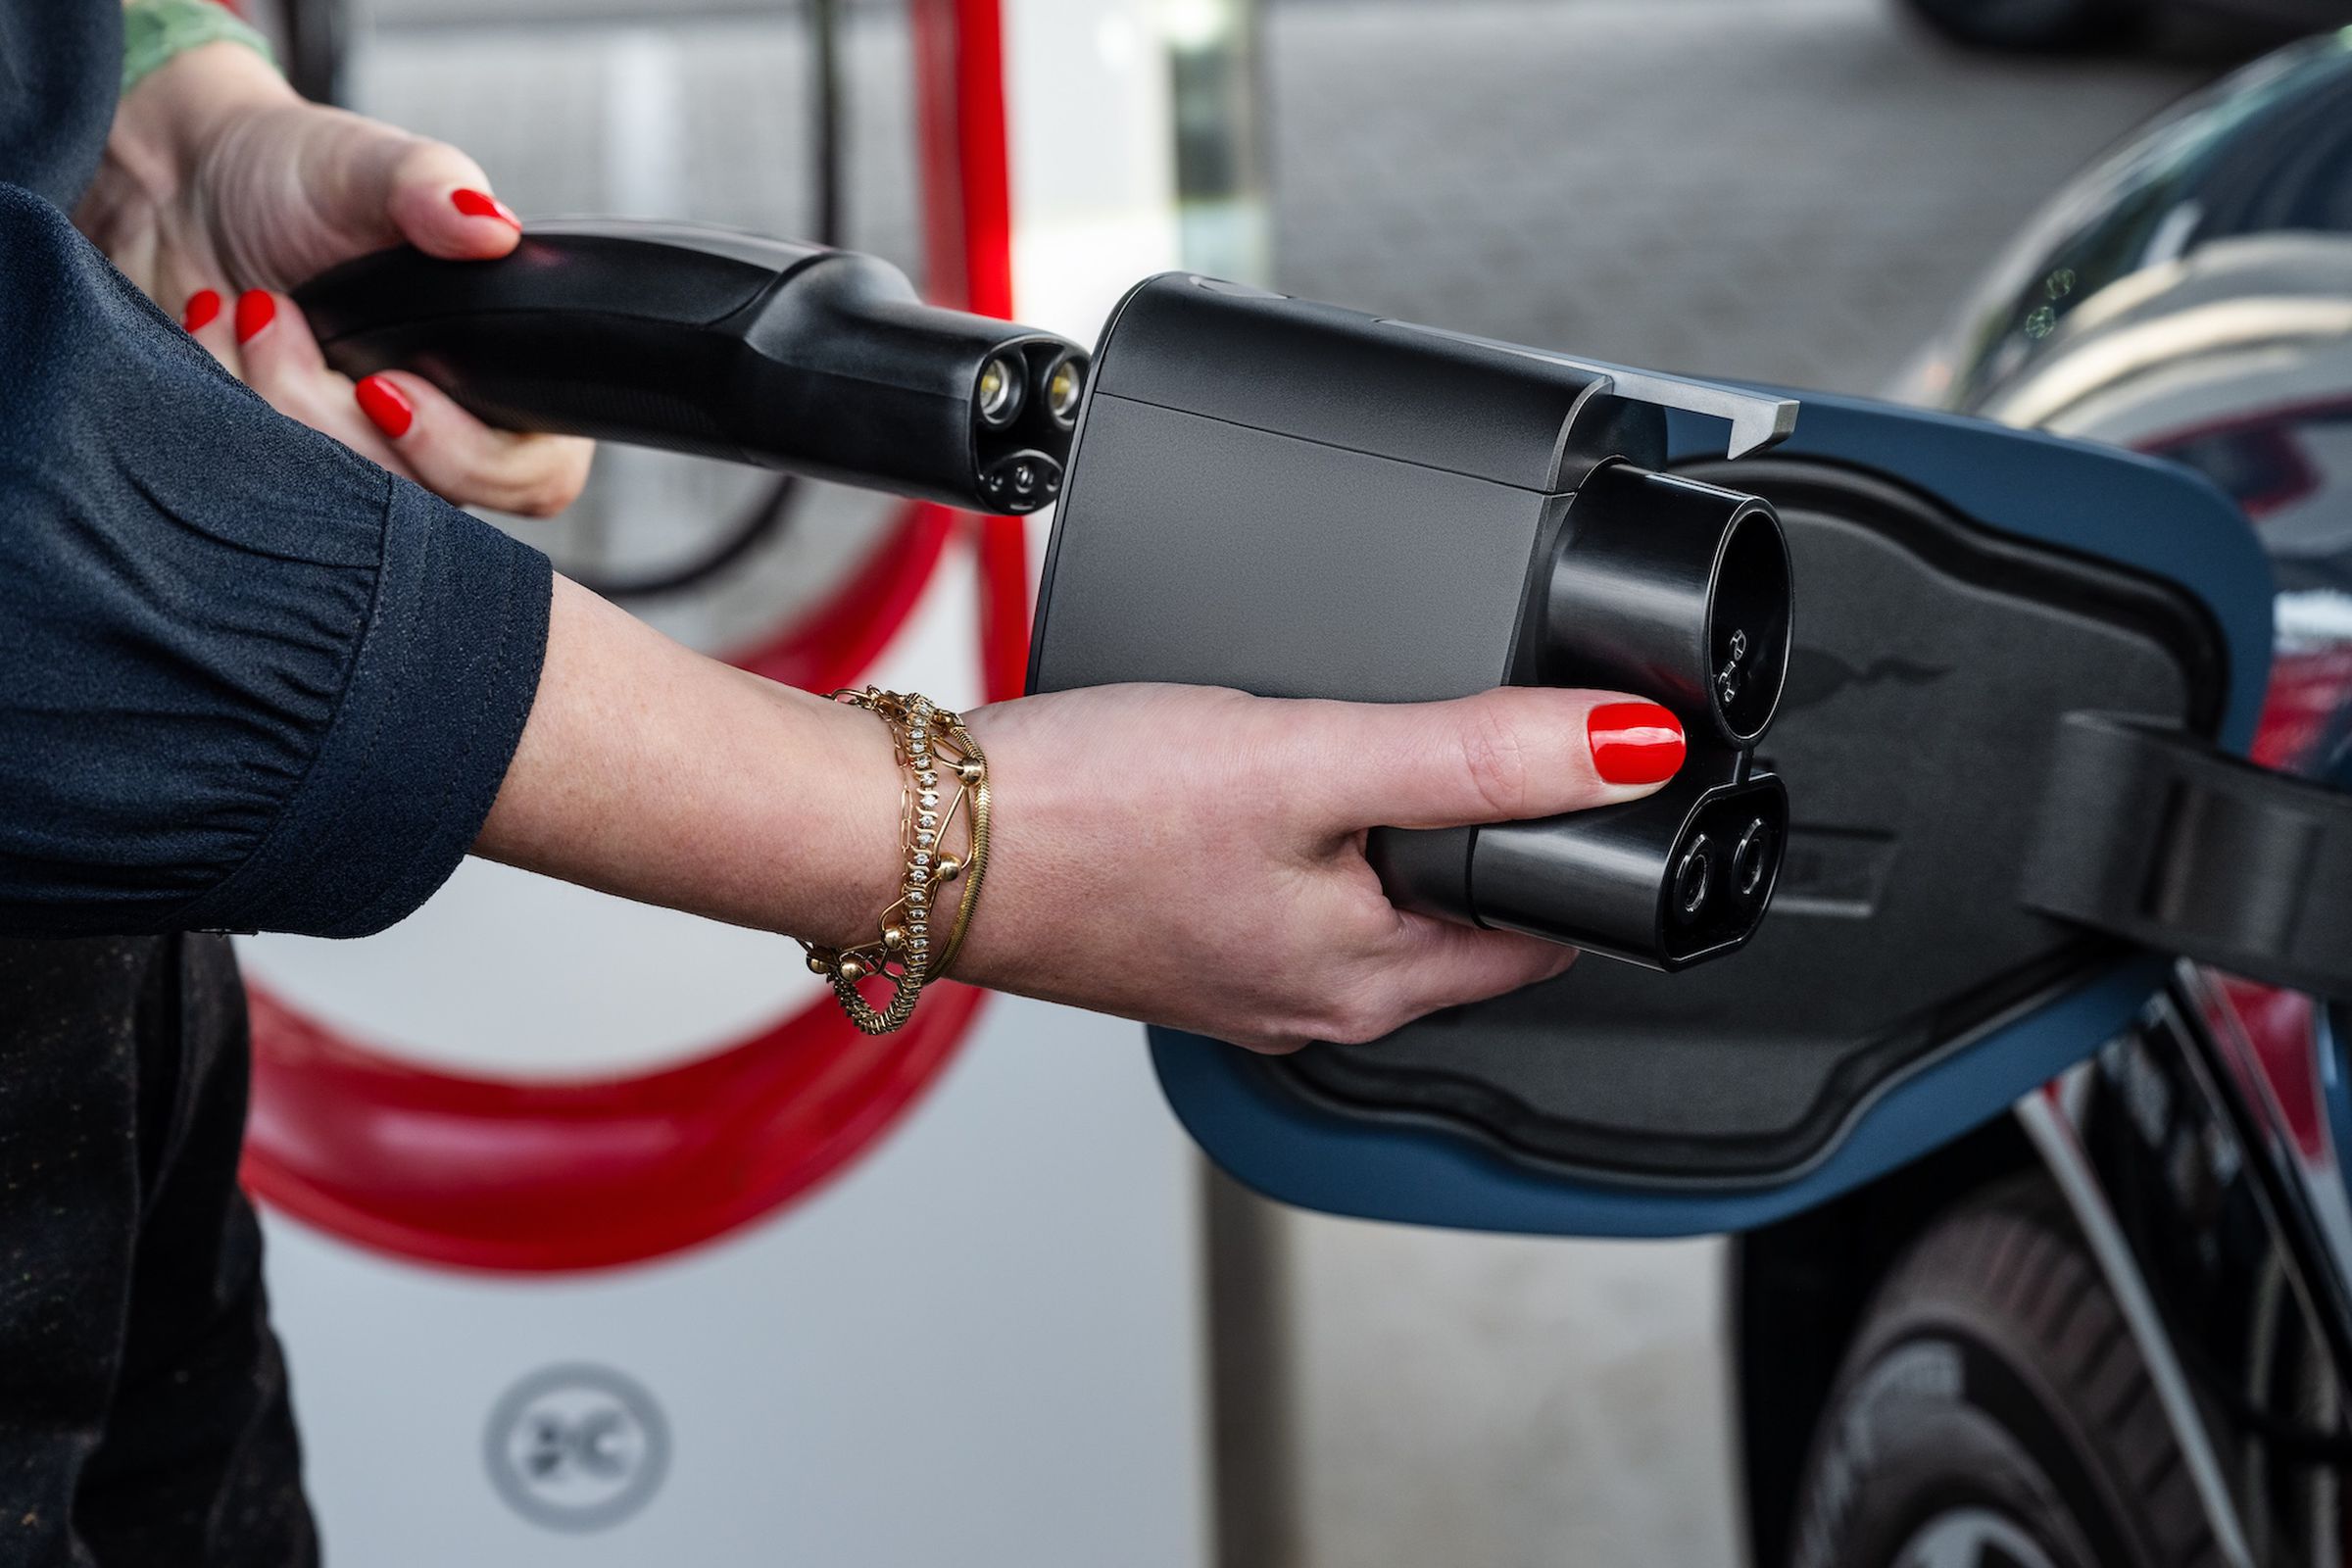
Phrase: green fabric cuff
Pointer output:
(156, 30)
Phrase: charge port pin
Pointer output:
(1726, 679)
(1751, 861)
(1695, 879)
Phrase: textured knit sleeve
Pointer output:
(248, 679)
(61, 62)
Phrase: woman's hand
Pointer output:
(222, 188)
(1180, 855)
(1196, 858)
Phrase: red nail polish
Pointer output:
(1635, 743)
(386, 405)
(481, 204)
(255, 309)
(203, 308)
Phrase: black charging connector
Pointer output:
(1304, 500)
(798, 357)
(1681, 876)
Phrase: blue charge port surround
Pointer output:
(2139, 512)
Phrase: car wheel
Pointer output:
(2034, 25)
(1993, 1411)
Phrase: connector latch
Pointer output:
(2152, 835)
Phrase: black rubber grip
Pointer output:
(788, 356)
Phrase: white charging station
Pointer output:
(591, 1238)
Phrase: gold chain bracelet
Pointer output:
(933, 745)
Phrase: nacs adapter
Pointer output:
(1299, 500)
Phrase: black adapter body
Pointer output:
(1299, 500)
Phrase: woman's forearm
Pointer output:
(1181, 855)
(653, 772)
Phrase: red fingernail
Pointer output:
(386, 405)
(203, 307)
(481, 204)
(256, 310)
(1635, 743)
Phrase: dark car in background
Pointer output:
(2114, 1327)
(2096, 23)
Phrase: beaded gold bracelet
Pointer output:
(934, 747)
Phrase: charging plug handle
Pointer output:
(2150, 834)
(691, 339)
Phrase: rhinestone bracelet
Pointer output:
(933, 745)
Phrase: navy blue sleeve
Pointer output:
(60, 65)
(248, 679)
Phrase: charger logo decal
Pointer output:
(576, 1447)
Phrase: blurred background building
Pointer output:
(1790, 190)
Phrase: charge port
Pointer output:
(1723, 868)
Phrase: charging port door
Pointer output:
(1936, 946)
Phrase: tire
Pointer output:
(2037, 26)
(1993, 1411)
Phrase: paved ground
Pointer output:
(1792, 189)
(1785, 188)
